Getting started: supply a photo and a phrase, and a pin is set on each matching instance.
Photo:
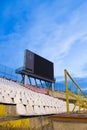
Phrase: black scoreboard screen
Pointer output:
(38, 66)
(29, 61)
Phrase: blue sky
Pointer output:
(54, 29)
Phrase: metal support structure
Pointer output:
(47, 84)
(67, 95)
(29, 80)
(35, 82)
(41, 83)
(78, 95)
(25, 80)
(52, 86)
(23, 77)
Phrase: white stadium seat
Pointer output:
(30, 109)
(20, 109)
(28, 102)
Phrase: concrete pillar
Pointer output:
(52, 86)
(25, 79)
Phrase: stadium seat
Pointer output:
(17, 99)
(7, 99)
(1, 99)
(30, 109)
(42, 109)
(24, 101)
(47, 109)
(37, 110)
(20, 109)
(29, 102)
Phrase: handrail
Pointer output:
(66, 72)
(79, 98)
(8, 73)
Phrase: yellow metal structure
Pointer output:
(73, 90)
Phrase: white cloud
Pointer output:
(53, 34)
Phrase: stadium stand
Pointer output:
(29, 102)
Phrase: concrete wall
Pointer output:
(9, 120)
(60, 95)
(69, 126)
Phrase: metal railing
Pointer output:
(9, 73)
(73, 90)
